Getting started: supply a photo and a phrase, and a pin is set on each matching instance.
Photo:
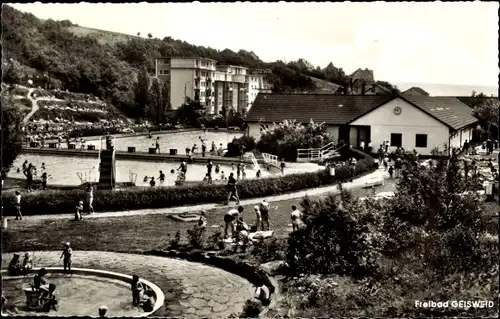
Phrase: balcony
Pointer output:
(239, 78)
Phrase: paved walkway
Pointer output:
(191, 289)
(357, 183)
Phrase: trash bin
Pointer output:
(173, 151)
(152, 150)
(32, 144)
(71, 146)
(131, 149)
(52, 145)
(91, 147)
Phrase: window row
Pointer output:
(397, 140)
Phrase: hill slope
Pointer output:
(106, 64)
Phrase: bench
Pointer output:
(90, 147)
(131, 149)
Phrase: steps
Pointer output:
(107, 176)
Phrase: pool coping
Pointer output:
(135, 156)
(159, 295)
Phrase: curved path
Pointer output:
(379, 174)
(34, 106)
(191, 289)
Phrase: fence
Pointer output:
(314, 154)
(270, 159)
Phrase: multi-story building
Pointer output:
(216, 87)
(188, 77)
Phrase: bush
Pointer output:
(285, 138)
(196, 237)
(338, 238)
(175, 242)
(56, 202)
(270, 249)
(233, 148)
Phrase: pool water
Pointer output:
(78, 296)
(179, 141)
(62, 170)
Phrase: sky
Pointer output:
(445, 43)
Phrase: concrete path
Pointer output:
(379, 174)
(191, 289)
(34, 106)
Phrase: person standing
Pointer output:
(137, 289)
(282, 166)
(362, 145)
(258, 217)
(44, 178)
(466, 147)
(17, 205)
(158, 144)
(28, 172)
(213, 148)
(66, 254)
(238, 171)
(296, 217)
(232, 189)
(203, 148)
(264, 213)
(209, 171)
(79, 211)
(89, 196)
(489, 146)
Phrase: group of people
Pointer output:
(18, 268)
(30, 172)
(87, 204)
(235, 225)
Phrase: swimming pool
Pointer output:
(64, 170)
(171, 140)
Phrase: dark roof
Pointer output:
(318, 107)
(419, 90)
(448, 110)
(474, 100)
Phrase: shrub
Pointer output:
(175, 242)
(233, 148)
(215, 240)
(270, 249)
(56, 202)
(340, 237)
(285, 138)
(196, 237)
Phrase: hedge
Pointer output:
(58, 202)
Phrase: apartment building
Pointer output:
(214, 86)
(188, 77)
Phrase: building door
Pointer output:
(344, 133)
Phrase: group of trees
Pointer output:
(11, 133)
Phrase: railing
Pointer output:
(85, 177)
(270, 159)
(314, 154)
(254, 161)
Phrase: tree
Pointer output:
(11, 134)
(138, 34)
(487, 113)
(150, 35)
(142, 90)
(156, 105)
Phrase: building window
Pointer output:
(197, 73)
(420, 140)
(396, 139)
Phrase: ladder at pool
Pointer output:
(254, 161)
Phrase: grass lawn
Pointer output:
(136, 233)
(143, 233)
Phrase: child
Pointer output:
(17, 204)
(79, 211)
(44, 179)
(102, 311)
(217, 169)
(391, 171)
(238, 171)
(222, 176)
(282, 166)
(66, 253)
(202, 222)
(386, 160)
(296, 217)
(232, 166)
(258, 173)
(27, 264)
(137, 289)
(152, 182)
(162, 177)
(149, 303)
(145, 179)
(206, 179)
